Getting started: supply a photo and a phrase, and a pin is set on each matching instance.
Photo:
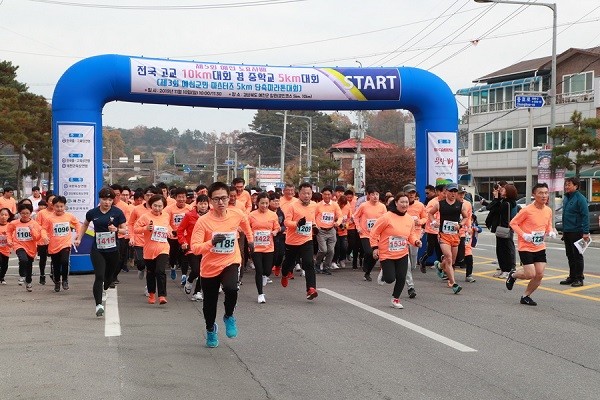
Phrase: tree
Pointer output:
(580, 139)
(388, 125)
(390, 169)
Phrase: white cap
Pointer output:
(252, 192)
(270, 188)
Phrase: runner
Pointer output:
(341, 241)
(327, 218)
(432, 229)
(8, 201)
(5, 217)
(450, 211)
(470, 242)
(532, 224)
(109, 221)
(299, 221)
(416, 210)
(176, 213)
(184, 236)
(58, 226)
(265, 226)
(355, 250)
(389, 239)
(279, 240)
(365, 217)
(214, 237)
(154, 225)
(42, 246)
(22, 236)
(137, 240)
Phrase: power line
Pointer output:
(170, 7)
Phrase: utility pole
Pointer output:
(215, 164)
(357, 162)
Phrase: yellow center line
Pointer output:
(580, 288)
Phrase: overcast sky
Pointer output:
(457, 40)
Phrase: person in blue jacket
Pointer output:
(576, 225)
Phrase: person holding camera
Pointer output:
(502, 210)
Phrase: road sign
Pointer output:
(186, 169)
(229, 162)
(529, 101)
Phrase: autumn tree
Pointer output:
(388, 125)
(577, 145)
(390, 169)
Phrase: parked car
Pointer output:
(594, 220)
(557, 202)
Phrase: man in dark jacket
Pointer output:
(576, 225)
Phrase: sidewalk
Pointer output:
(595, 240)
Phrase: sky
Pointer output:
(457, 40)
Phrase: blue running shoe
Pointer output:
(230, 326)
(212, 338)
(183, 280)
(173, 274)
(438, 269)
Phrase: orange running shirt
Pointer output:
(10, 203)
(417, 211)
(127, 210)
(346, 216)
(244, 201)
(25, 236)
(138, 211)
(263, 225)
(216, 258)
(532, 220)
(176, 214)
(58, 228)
(366, 216)
(5, 248)
(327, 214)
(428, 228)
(392, 234)
(297, 235)
(155, 241)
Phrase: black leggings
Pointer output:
(155, 274)
(395, 270)
(354, 246)
(279, 244)
(104, 264)
(3, 266)
(177, 256)
(305, 253)
(42, 251)
(194, 262)
(138, 257)
(60, 264)
(368, 252)
(433, 246)
(25, 264)
(469, 264)
(263, 264)
(122, 249)
(210, 287)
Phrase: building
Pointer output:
(497, 131)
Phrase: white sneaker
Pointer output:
(29, 287)
(21, 281)
(342, 264)
(264, 281)
(269, 280)
(380, 277)
(141, 274)
(334, 266)
(146, 291)
(197, 297)
(503, 275)
(188, 287)
(261, 299)
(99, 310)
(2, 282)
(298, 267)
(104, 296)
(396, 303)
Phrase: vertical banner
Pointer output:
(76, 167)
(556, 180)
(442, 160)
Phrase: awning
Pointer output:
(468, 91)
(593, 172)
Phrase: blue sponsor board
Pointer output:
(373, 83)
(529, 101)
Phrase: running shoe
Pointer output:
(197, 297)
(162, 300)
(173, 274)
(577, 283)
(188, 287)
(264, 280)
(317, 270)
(151, 298)
(297, 267)
(510, 280)
(116, 281)
(334, 265)
(380, 277)
(285, 279)
(503, 275)
(269, 280)
(303, 273)
(21, 281)
(367, 277)
(57, 286)
(438, 269)
(456, 288)
(125, 269)
(469, 279)
(141, 274)
(29, 287)
(212, 337)
(326, 271)
(396, 303)
(412, 293)
(422, 265)
(342, 264)
(65, 285)
(497, 274)
(42, 279)
(276, 270)
(230, 326)
(99, 310)
(528, 301)
(146, 291)
(183, 280)
(311, 293)
(261, 299)
(2, 282)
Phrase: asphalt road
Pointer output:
(347, 344)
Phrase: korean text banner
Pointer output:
(443, 159)
(181, 78)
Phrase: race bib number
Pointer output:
(159, 234)
(177, 218)
(396, 243)
(538, 237)
(305, 230)
(61, 229)
(105, 240)
(371, 223)
(467, 238)
(262, 238)
(450, 227)
(23, 234)
(227, 246)
(3, 241)
(327, 217)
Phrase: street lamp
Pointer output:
(552, 92)
(308, 141)
(282, 149)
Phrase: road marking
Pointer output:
(416, 328)
(581, 288)
(112, 322)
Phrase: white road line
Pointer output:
(400, 321)
(112, 322)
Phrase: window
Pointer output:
(578, 83)
(540, 136)
(500, 140)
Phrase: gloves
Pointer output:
(251, 247)
(528, 237)
(218, 238)
(301, 221)
(552, 235)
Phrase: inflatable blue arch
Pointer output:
(88, 85)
